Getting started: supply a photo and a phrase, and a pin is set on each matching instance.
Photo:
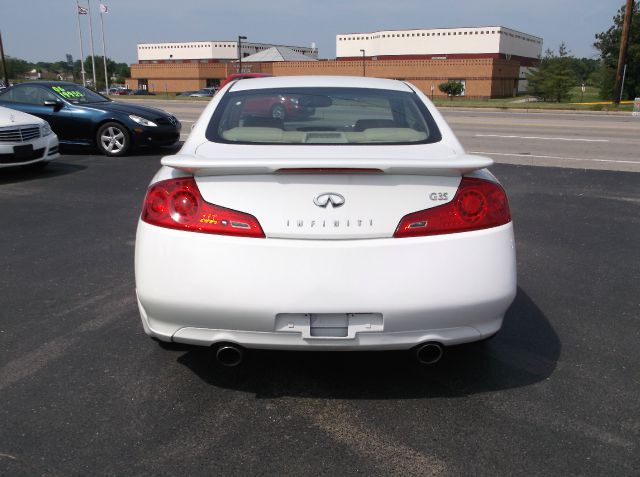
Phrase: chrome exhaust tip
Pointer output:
(229, 355)
(429, 353)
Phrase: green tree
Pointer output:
(586, 70)
(117, 71)
(16, 68)
(608, 44)
(451, 88)
(554, 78)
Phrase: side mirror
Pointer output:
(57, 105)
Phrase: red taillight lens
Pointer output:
(478, 204)
(178, 204)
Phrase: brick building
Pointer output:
(490, 61)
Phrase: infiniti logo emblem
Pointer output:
(326, 198)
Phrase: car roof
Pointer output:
(49, 83)
(319, 82)
(247, 75)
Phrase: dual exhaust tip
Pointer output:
(231, 355)
(429, 353)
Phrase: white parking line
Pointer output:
(553, 157)
(185, 121)
(542, 138)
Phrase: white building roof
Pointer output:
(439, 41)
(206, 50)
(277, 53)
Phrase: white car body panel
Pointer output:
(10, 121)
(236, 288)
(254, 160)
(286, 207)
(324, 278)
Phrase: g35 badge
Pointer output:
(439, 196)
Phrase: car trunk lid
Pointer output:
(338, 196)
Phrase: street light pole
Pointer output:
(364, 71)
(240, 38)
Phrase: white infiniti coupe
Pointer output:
(324, 213)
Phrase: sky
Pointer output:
(46, 30)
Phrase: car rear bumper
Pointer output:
(276, 293)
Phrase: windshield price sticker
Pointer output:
(67, 94)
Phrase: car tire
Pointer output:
(113, 139)
(278, 112)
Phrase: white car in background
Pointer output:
(360, 225)
(25, 140)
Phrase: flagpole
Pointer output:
(84, 80)
(93, 59)
(104, 52)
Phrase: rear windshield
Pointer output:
(322, 116)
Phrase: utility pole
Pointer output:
(624, 41)
(4, 65)
(240, 38)
(364, 71)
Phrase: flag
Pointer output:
(82, 10)
(104, 8)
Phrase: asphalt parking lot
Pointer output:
(85, 392)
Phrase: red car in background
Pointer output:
(276, 106)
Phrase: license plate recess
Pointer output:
(329, 325)
(23, 152)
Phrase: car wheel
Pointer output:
(113, 139)
(278, 112)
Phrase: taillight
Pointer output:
(478, 204)
(178, 204)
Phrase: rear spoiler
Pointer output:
(199, 166)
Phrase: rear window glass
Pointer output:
(322, 116)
